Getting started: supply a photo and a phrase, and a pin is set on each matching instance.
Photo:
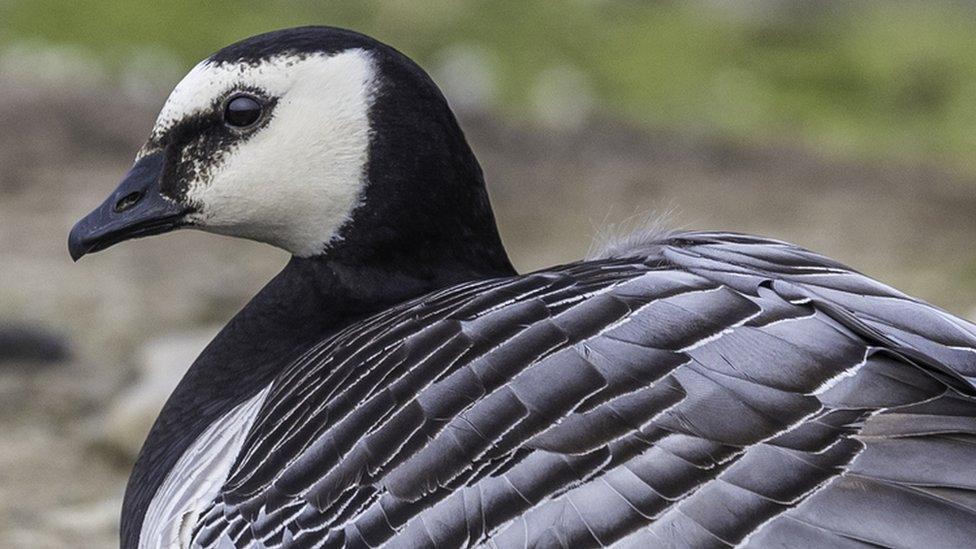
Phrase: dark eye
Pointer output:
(242, 111)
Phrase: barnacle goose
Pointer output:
(399, 384)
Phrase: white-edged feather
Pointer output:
(197, 477)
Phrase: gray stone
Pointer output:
(31, 344)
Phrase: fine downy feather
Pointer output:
(724, 390)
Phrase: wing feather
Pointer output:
(726, 390)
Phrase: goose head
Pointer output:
(317, 140)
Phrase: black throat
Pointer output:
(424, 223)
(308, 301)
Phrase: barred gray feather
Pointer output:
(723, 390)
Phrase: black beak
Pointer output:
(134, 210)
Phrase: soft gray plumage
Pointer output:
(723, 390)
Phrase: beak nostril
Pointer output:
(128, 201)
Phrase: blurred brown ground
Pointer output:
(554, 191)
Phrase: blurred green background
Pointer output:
(847, 127)
(874, 78)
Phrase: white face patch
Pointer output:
(297, 179)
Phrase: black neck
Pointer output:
(308, 301)
(424, 203)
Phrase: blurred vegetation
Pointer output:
(868, 79)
